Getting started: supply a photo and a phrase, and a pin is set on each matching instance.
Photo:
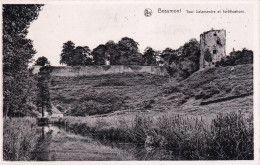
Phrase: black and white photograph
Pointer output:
(130, 81)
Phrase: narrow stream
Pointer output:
(57, 144)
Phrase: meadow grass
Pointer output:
(213, 84)
(19, 138)
(91, 95)
(225, 137)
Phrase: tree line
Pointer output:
(126, 52)
(180, 62)
(237, 58)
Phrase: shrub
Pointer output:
(207, 93)
(147, 104)
(111, 82)
(237, 58)
(168, 88)
(97, 103)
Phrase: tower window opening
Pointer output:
(214, 51)
(219, 42)
(215, 34)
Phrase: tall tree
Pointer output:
(112, 52)
(149, 56)
(43, 96)
(75, 56)
(184, 61)
(82, 56)
(17, 54)
(135, 59)
(191, 50)
(188, 61)
(166, 54)
(99, 55)
(42, 61)
(127, 49)
(67, 53)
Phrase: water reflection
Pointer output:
(41, 152)
(42, 135)
(141, 152)
(138, 152)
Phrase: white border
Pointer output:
(256, 79)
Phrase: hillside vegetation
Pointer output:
(20, 138)
(213, 84)
(206, 116)
(89, 95)
(211, 90)
(225, 137)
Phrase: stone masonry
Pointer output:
(212, 47)
(94, 70)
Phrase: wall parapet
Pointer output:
(94, 70)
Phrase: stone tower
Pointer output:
(212, 47)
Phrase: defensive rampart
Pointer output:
(71, 71)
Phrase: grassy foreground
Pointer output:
(20, 138)
(225, 137)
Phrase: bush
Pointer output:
(97, 103)
(111, 82)
(207, 93)
(184, 61)
(237, 58)
(147, 104)
(169, 88)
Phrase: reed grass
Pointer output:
(19, 138)
(226, 137)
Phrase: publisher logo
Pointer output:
(148, 12)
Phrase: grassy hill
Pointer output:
(182, 117)
(106, 93)
(211, 90)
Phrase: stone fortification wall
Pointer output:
(103, 69)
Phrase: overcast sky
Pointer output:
(91, 24)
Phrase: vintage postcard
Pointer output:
(130, 82)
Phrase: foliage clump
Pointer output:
(18, 82)
(42, 61)
(237, 58)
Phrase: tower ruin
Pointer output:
(212, 47)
